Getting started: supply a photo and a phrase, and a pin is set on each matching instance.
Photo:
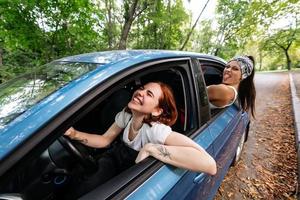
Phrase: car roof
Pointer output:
(110, 63)
(110, 57)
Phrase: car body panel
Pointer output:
(169, 175)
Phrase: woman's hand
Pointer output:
(144, 153)
(71, 133)
(94, 140)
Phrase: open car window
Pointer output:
(212, 73)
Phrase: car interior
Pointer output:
(66, 162)
(212, 74)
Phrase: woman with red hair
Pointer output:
(145, 124)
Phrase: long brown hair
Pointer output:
(247, 91)
(167, 103)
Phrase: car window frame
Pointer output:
(219, 66)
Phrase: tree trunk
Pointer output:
(108, 5)
(288, 59)
(286, 52)
(260, 60)
(1, 57)
(216, 53)
(193, 27)
(129, 17)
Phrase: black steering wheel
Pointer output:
(76, 149)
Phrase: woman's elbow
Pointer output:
(212, 169)
(209, 166)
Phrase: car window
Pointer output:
(213, 74)
(19, 94)
(116, 98)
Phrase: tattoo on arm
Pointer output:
(163, 151)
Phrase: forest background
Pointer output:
(34, 32)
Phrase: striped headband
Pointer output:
(245, 64)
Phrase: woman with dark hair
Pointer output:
(237, 83)
(145, 124)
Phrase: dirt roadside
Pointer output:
(268, 167)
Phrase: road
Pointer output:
(268, 166)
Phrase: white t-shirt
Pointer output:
(156, 134)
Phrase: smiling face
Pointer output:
(232, 74)
(145, 100)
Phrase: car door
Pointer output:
(225, 127)
(198, 185)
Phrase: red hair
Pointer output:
(167, 103)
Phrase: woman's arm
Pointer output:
(220, 94)
(182, 152)
(94, 140)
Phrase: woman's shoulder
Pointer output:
(222, 92)
(221, 85)
(158, 124)
(158, 132)
(159, 127)
(218, 89)
(124, 112)
(122, 118)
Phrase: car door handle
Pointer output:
(199, 178)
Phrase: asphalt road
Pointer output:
(268, 166)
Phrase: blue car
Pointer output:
(86, 91)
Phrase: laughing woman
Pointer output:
(145, 124)
(237, 83)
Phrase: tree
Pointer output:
(131, 12)
(111, 26)
(161, 26)
(236, 22)
(284, 39)
(36, 32)
(203, 39)
(193, 27)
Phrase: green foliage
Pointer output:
(35, 32)
(112, 28)
(236, 25)
(243, 25)
(160, 27)
(203, 39)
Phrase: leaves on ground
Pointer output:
(268, 169)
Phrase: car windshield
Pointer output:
(19, 94)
